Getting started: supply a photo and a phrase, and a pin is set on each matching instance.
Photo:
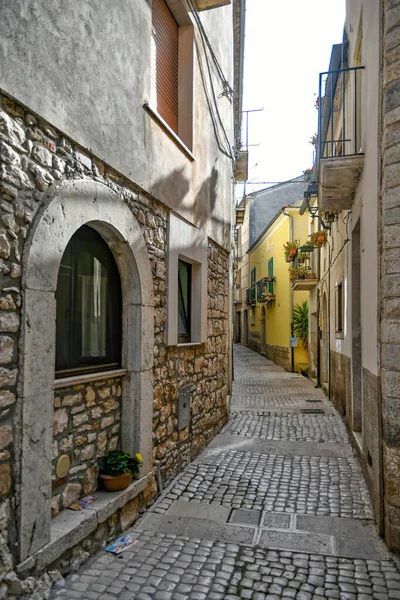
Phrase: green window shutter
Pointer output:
(271, 274)
(253, 276)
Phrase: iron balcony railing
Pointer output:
(251, 295)
(265, 288)
(339, 112)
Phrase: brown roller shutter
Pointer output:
(165, 77)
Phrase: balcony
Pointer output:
(208, 4)
(340, 155)
(266, 289)
(251, 296)
(304, 284)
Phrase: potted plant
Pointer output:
(302, 257)
(292, 273)
(317, 238)
(290, 249)
(300, 322)
(117, 469)
(302, 272)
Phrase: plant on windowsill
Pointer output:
(290, 249)
(318, 238)
(117, 469)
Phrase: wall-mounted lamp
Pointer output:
(312, 193)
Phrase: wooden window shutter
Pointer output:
(165, 65)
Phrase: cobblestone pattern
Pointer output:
(287, 427)
(168, 567)
(86, 425)
(303, 484)
(267, 401)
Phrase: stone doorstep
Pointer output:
(71, 527)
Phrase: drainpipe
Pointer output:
(291, 238)
(319, 299)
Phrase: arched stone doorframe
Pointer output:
(72, 205)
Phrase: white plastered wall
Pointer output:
(189, 244)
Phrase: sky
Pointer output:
(287, 45)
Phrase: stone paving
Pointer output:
(287, 426)
(276, 507)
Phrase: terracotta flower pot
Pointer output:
(320, 241)
(292, 251)
(312, 276)
(113, 484)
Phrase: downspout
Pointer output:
(291, 238)
(319, 298)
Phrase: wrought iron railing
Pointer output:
(251, 295)
(339, 107)
(265, 288)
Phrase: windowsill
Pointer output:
(158, 118)
(339, 335)
(87, 378)
(71, 527)
(186, 344)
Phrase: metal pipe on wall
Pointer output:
(291, 238)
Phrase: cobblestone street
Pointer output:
(275, 507)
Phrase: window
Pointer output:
(88, 326)
(339, 308)
(271, 274)
(253, 276)
(187, 283)
(172, 70)
(184, 301)
(165, 62)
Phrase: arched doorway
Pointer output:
(72, 206)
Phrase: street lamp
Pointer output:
(312, 193)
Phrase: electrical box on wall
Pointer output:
(184, 407)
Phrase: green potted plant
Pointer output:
(290, 249)
(317, 238)
(292, 273)
(117, 469)
(302, 257)
(300, 323)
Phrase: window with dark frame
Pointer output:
(339, 308)
(184, 301)
(89, 307)
(165, 65)
(253, 276)
(271, 274)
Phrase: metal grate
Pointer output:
(312, 411)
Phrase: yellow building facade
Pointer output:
(271, 295)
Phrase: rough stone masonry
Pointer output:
(34, 159)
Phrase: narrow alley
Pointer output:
(275, 507)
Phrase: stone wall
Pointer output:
(280, 355)
(203, 367)
(390, 270)
(34, 159)
(340, 384)
(86, 425)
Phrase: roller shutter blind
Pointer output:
(165, 64)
